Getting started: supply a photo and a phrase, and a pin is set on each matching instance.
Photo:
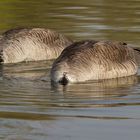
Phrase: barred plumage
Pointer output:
(94, 60)
(31, 44)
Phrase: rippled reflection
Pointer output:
(99, 88)
(29, 84)
(84, 19)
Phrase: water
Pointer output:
(33, 109)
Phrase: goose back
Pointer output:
(31, 44)
(94, 60)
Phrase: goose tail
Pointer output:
(64, 80)
(137, 54)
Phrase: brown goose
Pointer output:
(31, 44)
(94, 60)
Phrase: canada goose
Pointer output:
(94, 60)
(31, 44)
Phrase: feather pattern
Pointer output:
(94, 60)
(31, 44)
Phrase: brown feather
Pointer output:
(93, 60)
(32, 44)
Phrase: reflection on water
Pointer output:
(84, 19)
(30, 105)
(33, 109)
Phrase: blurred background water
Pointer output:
(32, 109)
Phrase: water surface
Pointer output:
(33, 109)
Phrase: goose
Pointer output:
(94, 60)
(31, 44)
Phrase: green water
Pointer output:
(32, 109)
